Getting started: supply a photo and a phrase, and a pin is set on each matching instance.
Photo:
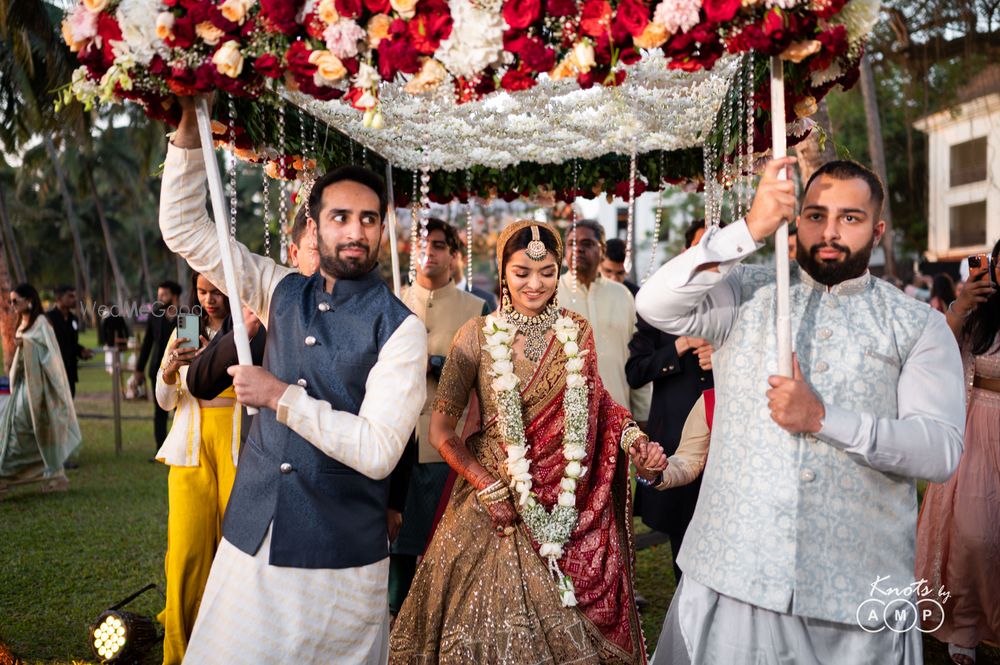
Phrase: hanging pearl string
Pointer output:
(282, 202)
(468, 232)
(425, 211)
(748, 154)
(725, 164)
(414, 227)
(630, 228)
(232, 167)
(657, 224)
(267, 214)
(572, 226)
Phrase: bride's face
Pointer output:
(531, 283)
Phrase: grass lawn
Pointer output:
(66, 557)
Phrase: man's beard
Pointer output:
(346, 268)
(853, 264)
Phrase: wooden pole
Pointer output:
(222, 231)
(116, 393)
(779, 148)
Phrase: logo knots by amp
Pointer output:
(901, 609)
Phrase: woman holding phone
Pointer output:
(201, 451)
(958, 542)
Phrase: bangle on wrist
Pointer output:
(658, 480)
(951, 308)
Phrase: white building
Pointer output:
(964, 171)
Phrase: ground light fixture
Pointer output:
(118, 636)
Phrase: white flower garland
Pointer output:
(551, 529)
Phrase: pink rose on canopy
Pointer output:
(677, 15)
(342, 38)
(82, 25)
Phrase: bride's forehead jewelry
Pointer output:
(536, 250)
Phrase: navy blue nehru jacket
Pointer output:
(324, 514)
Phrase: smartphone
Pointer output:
(189, 326)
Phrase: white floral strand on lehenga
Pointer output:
(551, 529)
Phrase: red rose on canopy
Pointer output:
(633, 15)
(629, 56)
(108, 31)
(595, 17)
(519, 14)
(298, 60)
(205, 76)
(268, 65)
(397, 55)
(621, 189)
(536, 56)
(720, 11)
(828, 8)
(774, 21)
(279, 15)
(182, 81)
(428, 30)
(750, 38)
(560, 8)
(834, 43)
(348, 8)
(379, 6)
(517, 79)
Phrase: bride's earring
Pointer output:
(505, 304)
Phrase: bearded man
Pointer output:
(807, 513)
(302, 570)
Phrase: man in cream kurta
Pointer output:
(301, 574)
(610, 309)
(444, 309)
(808, 506)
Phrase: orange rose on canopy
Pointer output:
(595, 17)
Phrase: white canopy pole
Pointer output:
(779, 150)
(393, 249)
(226, 252)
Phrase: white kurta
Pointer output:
(253, 612)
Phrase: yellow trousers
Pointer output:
(197, 498)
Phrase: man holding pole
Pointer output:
(302, 570)
(805, 522)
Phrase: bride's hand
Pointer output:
(504, 516)
(649, 459)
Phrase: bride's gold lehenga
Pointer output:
(478, 598)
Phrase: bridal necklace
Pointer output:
(534, 328)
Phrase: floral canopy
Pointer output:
(492, 97)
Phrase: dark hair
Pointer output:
(591, 224)
(358, 174)
(193, 301)
(29, 292)
(943, 288)
(174, 287)
(450, 234)
(845, 169)
(614, 250)
(60, 290)
(981, 329)
(692, 231)
(299, 224)
(520, 241)
(792, 230)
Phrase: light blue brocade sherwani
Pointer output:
(791, 531)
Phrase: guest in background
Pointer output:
(942, 292)
(302, 251)
(159, 326)
(609, 308)
(38, 426)
(613, 264)
(201, 450)
(958, 534)
(62, 316)
(793, 242)
(680, 370)
(444, 309)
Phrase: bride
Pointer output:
(533, 559)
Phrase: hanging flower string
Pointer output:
(551, 529)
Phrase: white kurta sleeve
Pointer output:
(925, 440)
(372, 441)
(188, 231)
(683, 298)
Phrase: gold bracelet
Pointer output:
(492, 487)
(630, 435)
(497, 498)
